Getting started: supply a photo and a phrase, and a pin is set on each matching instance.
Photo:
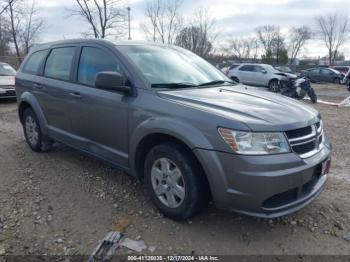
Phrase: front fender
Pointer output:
(31, 100)
(188, 134)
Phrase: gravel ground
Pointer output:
(61, 202)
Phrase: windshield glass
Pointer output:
(7, 70)
(171, 65)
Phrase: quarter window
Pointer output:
(93, 61)
(33, 63)
(59, 63)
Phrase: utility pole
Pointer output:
(128, 8)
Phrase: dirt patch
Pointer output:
(61, 202)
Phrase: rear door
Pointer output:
(54, 86)
(99, 117)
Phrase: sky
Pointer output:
(234, 18)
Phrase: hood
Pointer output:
(259, 110)
(288, 75)
(7, 80)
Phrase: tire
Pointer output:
(186, 193)
(235, 79)
(32, 132)
(312, 95)
(274, 86)
(336, 81)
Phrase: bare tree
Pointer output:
(267, 35)
(14, 13)
(103, 16)
(4, 7)
(298, 36)
(195, 40)
(5, 36)
(32, 27)
(241, 47)
(163, 20)
(199, 36)
(334, 30)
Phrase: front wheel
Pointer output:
(336, 81)
(274, 86)
(174, 180)
(312, 95)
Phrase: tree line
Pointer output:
(21, 25)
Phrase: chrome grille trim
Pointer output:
(311, 140)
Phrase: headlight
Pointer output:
(251, 143)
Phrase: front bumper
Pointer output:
(7, 92)
(264, 186)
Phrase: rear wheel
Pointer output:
(32, 132)
(174, 181)
(235, 79)
(274, 86)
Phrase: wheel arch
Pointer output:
(153, 139)
(28, 100)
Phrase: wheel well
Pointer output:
(274, 79)
(234, 78)
(155, 139)
(22, 107)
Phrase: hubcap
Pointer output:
(31, 130)
(168, 182)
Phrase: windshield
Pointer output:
(284, 69)
(165, 65)
(334, 71)
(7, 70)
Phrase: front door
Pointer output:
(99, 117)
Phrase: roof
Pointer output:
(95, 41)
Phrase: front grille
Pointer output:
(8, 93)
(306, 141)
(7, 87)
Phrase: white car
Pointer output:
(7, 81)
(259, 75)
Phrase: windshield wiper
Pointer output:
(217, 82)
(173, 85)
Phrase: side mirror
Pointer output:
(264, 71)
(112, 81)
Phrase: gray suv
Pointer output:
(175, 122)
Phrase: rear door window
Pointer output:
(59, 63)
(249, 68)
(93, 61)
(33, 63)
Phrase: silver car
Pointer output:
(7, 81)
(172, 120)
(259, 75)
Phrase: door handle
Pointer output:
(75, 95)
(38, 86)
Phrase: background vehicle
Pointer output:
(323, 75)
(342, 69)
(7, 81)
(227, 69)
(258, 75)
(298, 89)
(172, 120)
